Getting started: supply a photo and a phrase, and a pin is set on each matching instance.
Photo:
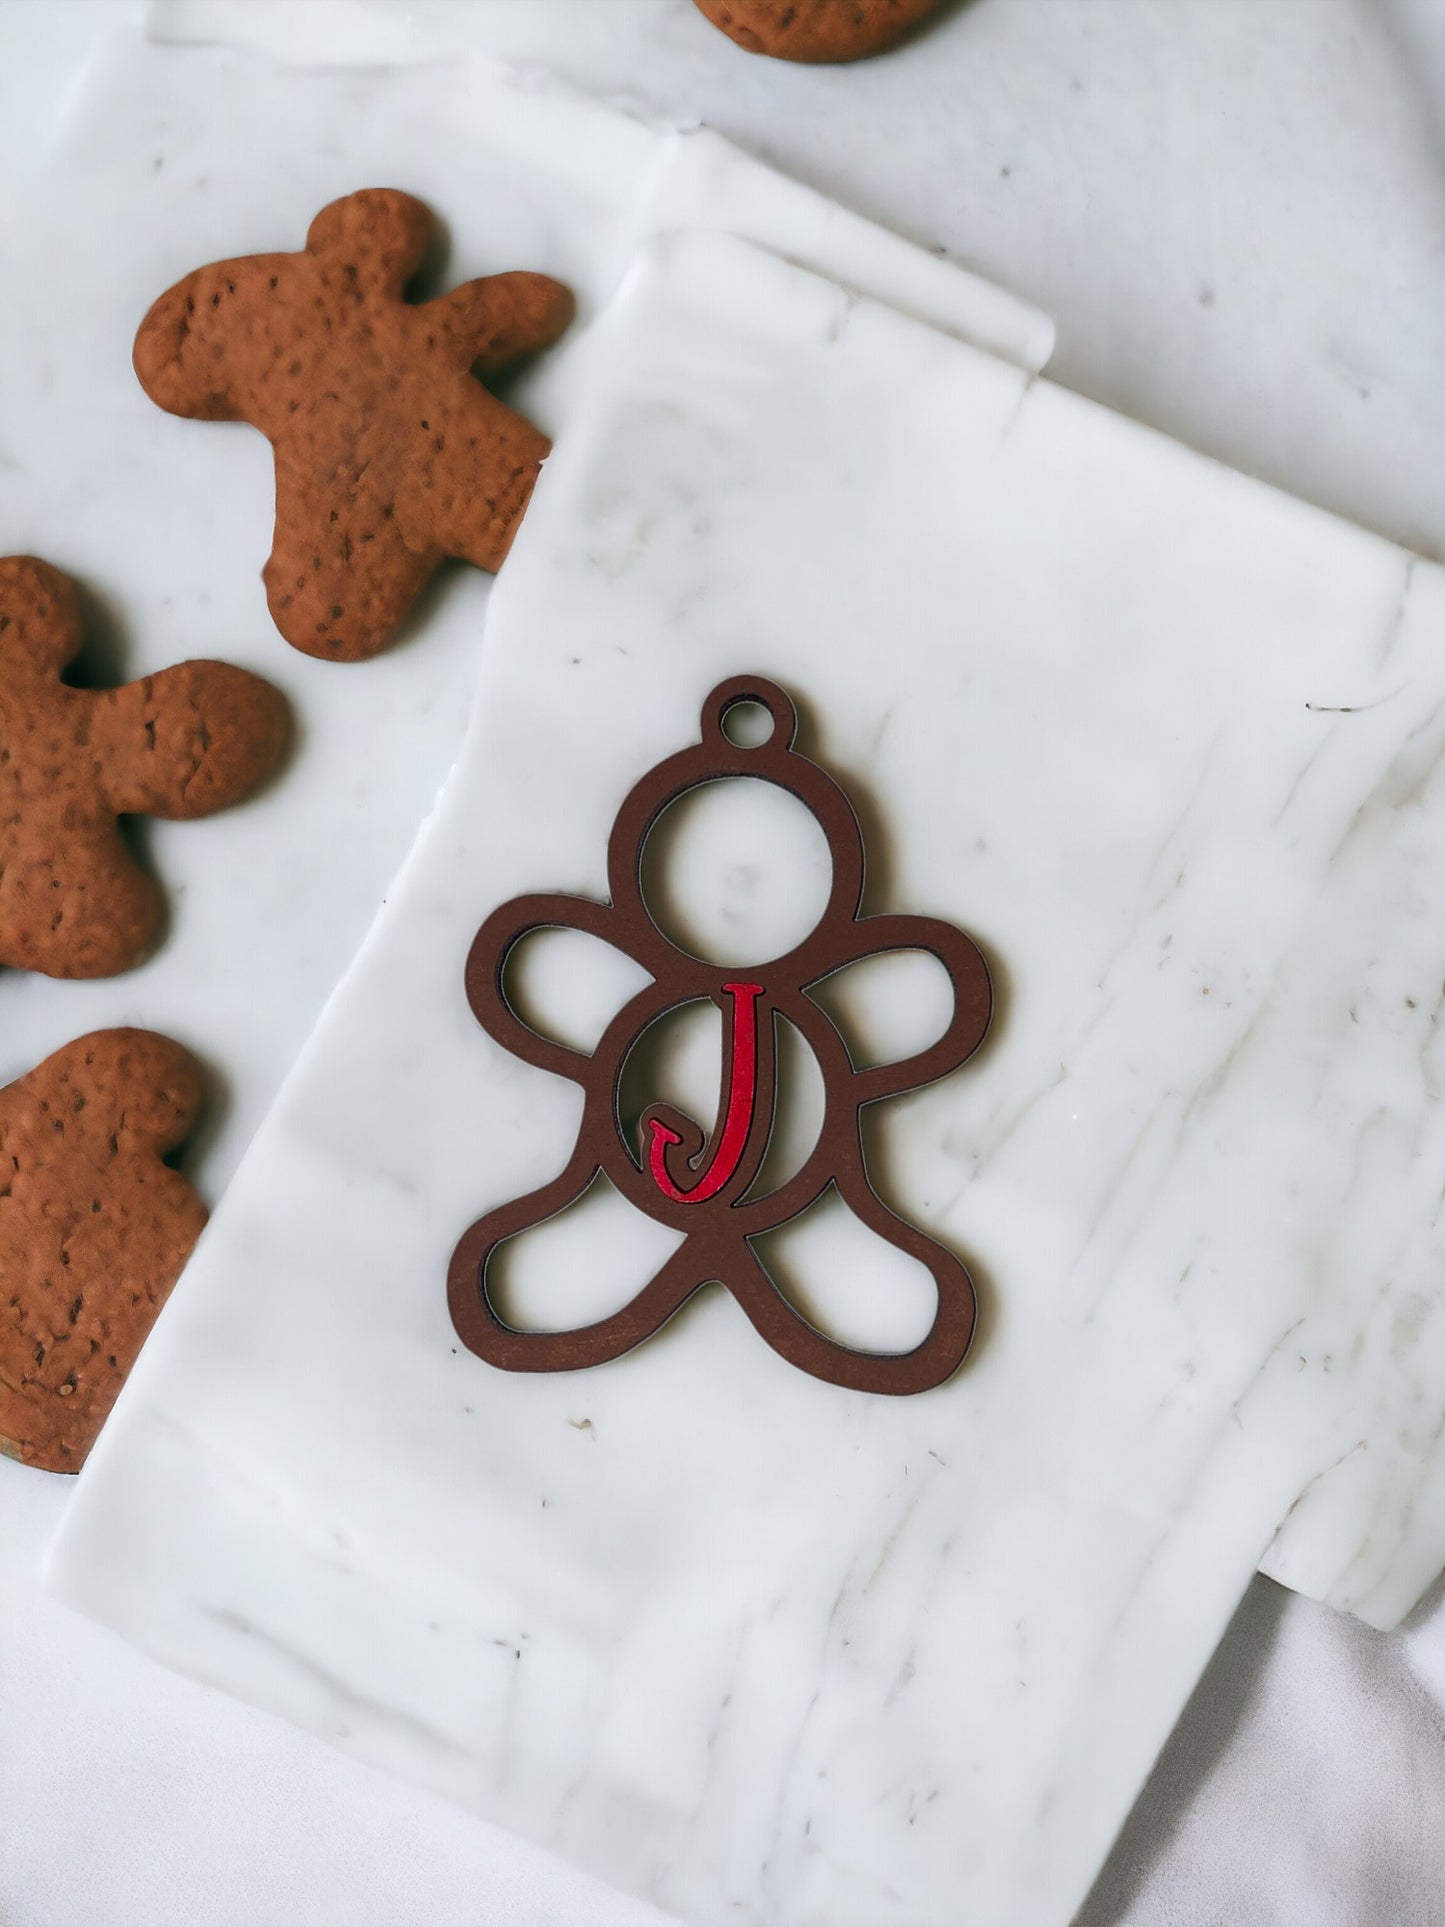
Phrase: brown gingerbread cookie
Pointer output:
(816, 31)
(390, 454)
(94, 1231)
(179, 744)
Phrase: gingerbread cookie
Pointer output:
(94, 1231)
(390, 454)
(182, 743)
(816, 31)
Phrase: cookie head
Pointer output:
(39, 617)
(375, 240)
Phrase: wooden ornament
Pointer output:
(700, 1185)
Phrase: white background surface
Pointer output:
(1235, 212)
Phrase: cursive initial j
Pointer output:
(741, 1105)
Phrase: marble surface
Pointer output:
(127, 167)
(145, 146)
(1168, 744)
(1234, 208)
(1234, 212)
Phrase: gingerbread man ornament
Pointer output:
(182, 743)
(390, 454)
(706, 1186)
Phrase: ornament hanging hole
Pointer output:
(748, 723)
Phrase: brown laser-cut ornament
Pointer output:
(701, 1185)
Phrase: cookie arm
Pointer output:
(188, 741)
(186, 350)
(494, 322)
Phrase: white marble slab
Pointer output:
(126, 163)
(1168, 744)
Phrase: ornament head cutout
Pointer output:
(706, 1185)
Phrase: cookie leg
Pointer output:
(95, 915)
(341, 575)
(474, 499)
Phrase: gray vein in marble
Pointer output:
(341, 1691)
